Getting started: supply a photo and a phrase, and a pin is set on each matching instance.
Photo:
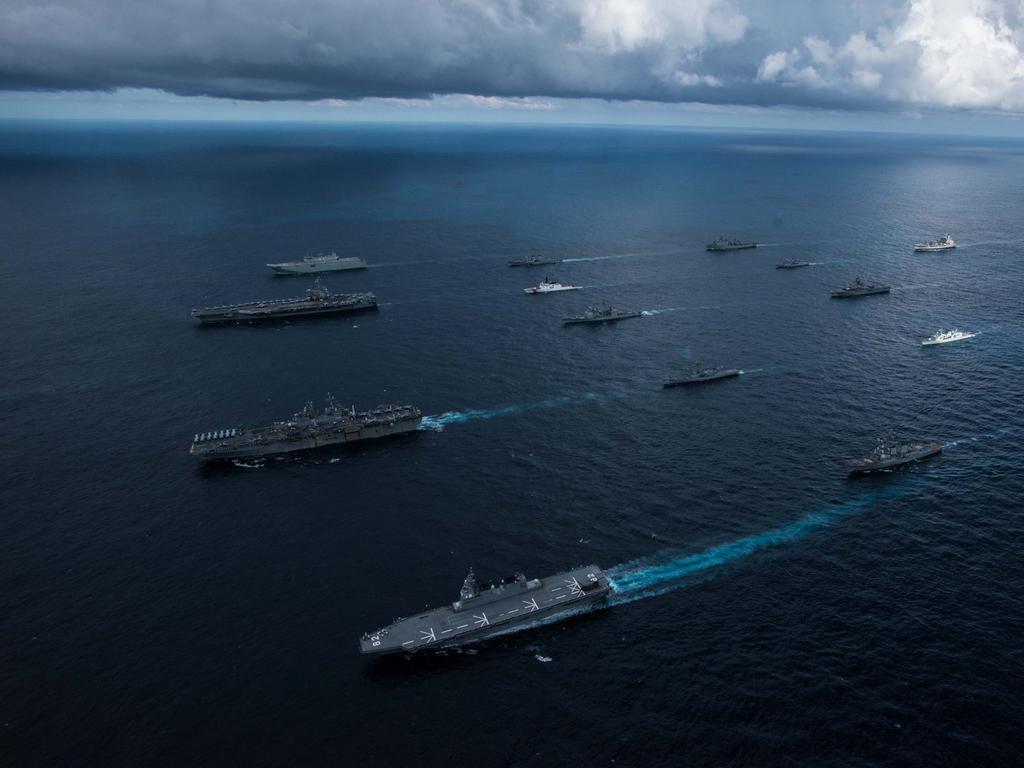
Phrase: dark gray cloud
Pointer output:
(868, 54)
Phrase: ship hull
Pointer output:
(536, 292)
(703, 380)
(793, 266)
(534, 263)
(931, 343)
(444, 628)
(315, 269)
(583, 320)
(866, 466)
(855, 294)
(211, 317)
(932, 248)
(248, 449)
(723, 248)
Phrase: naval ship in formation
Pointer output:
(305, 430)
(944, 337)
(605, 314)
(535, 260)
(724, 243)
(858, 288)
(944, 243)
(325, 262)
(700, 375)
(792, 264)
(547, 285)
(893, 453)
(484, 610)
(317, 301)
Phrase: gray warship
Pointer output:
(317, 301)
(858, 288)
(724, 243)
(792, 264)
(605, 314)
(534, 260)
(893, 453)
(325, 262)
(700, 375)
(305, 430)
(511, 604)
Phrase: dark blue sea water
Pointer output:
(770, 611)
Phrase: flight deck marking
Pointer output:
(561, 597)
(462, 626)
(428, 636)
(481, 619)
(512, 610)
(531, 604)
(574, 587)
(408, 642)
(445, 631)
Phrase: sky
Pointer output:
(915, 65)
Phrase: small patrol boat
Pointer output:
(944, 243)
(944, 337)
(889, 454)
(547, 285)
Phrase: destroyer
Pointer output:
(700, 375)
(547, 285)
(317, 301)
(944, 337)
(535, 260)
(605, 314)
(889, 454)
(305, 430)
(723, 243)
(325, 262)
(792, 264)
(944, 243)
(508, 605)
(858, 288)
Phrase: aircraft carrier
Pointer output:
(317, 301)
(889, 454)
(306, 430)
(858, 288)
(511, 604)
(700, 375)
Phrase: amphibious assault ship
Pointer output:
(305, 430)
(724, 243)
(792, 264)
(700, 375)
(317, 301)
(535, 260)
(890, 453)
(511, 604)
(325, 262)
(605, 314)
(858, 288)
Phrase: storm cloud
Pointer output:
(882, 54)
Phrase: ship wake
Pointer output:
(439, 421)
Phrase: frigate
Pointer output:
(484, 610)
(858, 288)
(325, 262)
(792, 264)
(317, 301)
(944, 243)
(307, 429)
(700, 375)
(893, 453)
(945, 337)
(724, 243)
(605, 314)
(534, 260)
(547, 285)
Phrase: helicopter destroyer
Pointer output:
(724, 243)
(325, 262)
(605, 314)
(317, 301)
(511, 604)
(792, 264)
(893, 453)
(700, 375)
(534, 260)
(305, 430)
(858, 288)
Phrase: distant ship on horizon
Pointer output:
(723, 243)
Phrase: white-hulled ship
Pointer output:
(944, 337)
(325, 262)
(944, 243)
(547, 285)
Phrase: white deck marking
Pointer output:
(560, 597)
(445, 631)
(512, 610)
(481, 619)
(532, 605)
(408, 642)
(462, 626)
(427, 636)
(557, 589)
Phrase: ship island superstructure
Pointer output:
(487, 609)
(324, 262)
(307, 429)
(317, 301)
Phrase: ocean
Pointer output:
(769, 610)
